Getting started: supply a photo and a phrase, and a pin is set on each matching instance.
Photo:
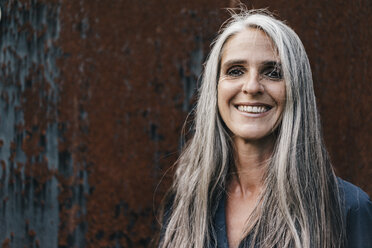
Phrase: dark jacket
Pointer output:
(357, 214)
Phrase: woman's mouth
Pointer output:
(253, 109)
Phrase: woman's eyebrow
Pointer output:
(234, 62)
(271, 63)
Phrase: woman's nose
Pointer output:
(251, 84)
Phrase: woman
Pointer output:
(256, 172)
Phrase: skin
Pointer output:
(249, 76)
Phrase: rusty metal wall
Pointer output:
(93, 95)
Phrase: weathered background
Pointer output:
(93, 95)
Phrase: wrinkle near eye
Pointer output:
(222, 77)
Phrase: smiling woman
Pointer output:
(251, 90)
(256, 172)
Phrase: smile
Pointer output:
(253, 109)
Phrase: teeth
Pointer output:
(252, 109)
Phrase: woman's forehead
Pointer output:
(252, 45)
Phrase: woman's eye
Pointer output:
(274, 73)
(235, 72)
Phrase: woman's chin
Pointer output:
(255, 137)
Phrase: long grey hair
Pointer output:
(300, 206)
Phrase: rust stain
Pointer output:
(28, 110)
(131, 67)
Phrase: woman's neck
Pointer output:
(251, 160)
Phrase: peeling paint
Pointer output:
(28, 91)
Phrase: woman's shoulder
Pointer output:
(353, 196)
(357, 215)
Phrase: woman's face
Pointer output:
(251, 89)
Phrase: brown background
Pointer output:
(93, 95)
